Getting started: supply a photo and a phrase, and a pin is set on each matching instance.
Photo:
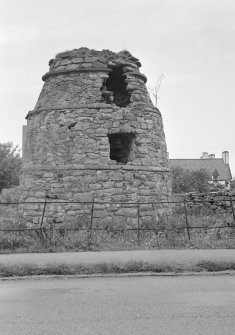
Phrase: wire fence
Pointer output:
(188, 218)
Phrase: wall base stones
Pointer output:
(116, 193)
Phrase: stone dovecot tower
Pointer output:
(95, 134)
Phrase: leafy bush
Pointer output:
(184, 181)
(10, 165)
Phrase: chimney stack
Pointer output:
(211, 156)
(225, 156)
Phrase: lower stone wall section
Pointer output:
(116, 193)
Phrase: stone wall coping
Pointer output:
(66, 71)
(90, 69)
(137, 74)
(92, 106)
(96, 167)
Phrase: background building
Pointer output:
(218, 168)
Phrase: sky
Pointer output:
(191, 43)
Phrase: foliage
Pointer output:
(184, 181)
(232, 184)
(10, 165)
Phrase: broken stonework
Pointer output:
(94, 134)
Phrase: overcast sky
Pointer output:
(190, 42)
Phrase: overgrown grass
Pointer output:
(165, 234)
(80, 269)
(103, 240)
(213, 266)
(21, 270)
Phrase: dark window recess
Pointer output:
(121, 145)
(71, 125)
(114, 89)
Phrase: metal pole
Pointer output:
(43, 239)
(186, 219)
(231, 202)
(43, 213)
(138, 213)
(91, 223)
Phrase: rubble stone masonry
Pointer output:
(94, 134)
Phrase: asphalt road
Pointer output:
(122, 305)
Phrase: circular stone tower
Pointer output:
(94, 134)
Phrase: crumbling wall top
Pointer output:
(90, 60)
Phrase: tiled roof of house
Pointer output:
(208, 164)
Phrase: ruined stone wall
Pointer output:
(79, 136)
(70, 154)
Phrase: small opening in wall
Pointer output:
(114, 89)
(71, 125)
(121, 146)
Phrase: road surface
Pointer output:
(119, 305)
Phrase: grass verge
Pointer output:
(21, 270)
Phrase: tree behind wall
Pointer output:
(184, 181)
(10, 165)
